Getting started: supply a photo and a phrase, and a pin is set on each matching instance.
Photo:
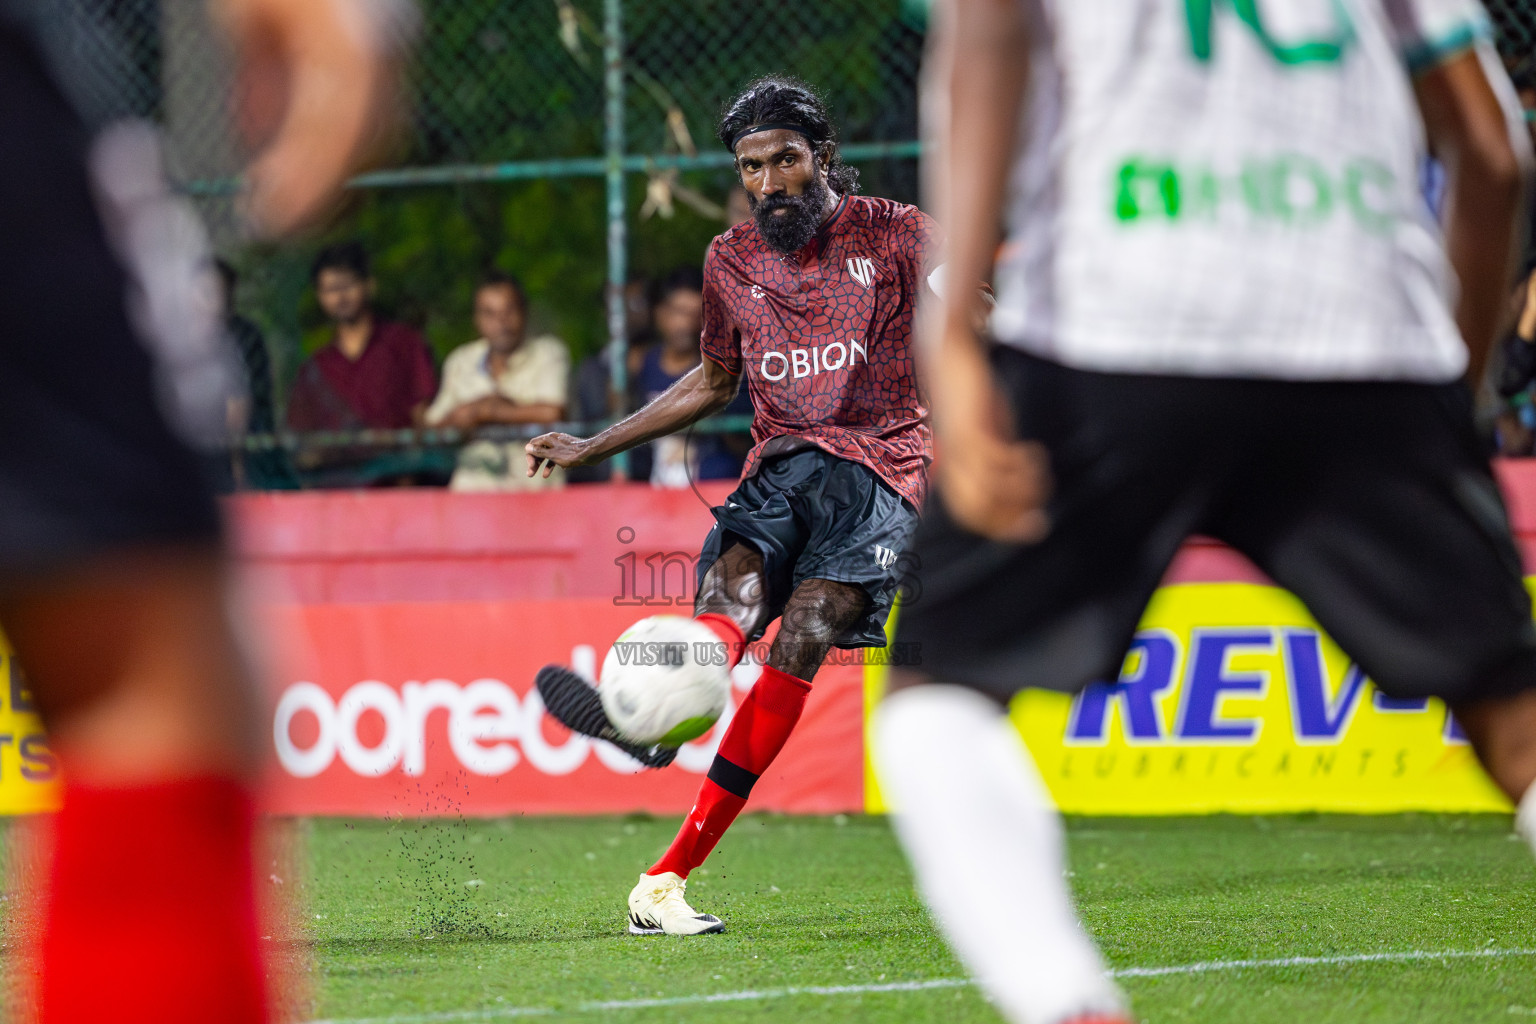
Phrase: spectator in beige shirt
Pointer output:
(505, 377)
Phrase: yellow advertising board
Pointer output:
(1232, 700)
(28, 769)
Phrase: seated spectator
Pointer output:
(589, 388)
(255, 414)
(372, 374)
(638, 306)
(503, 378)
(1515, 427)
(679, 319)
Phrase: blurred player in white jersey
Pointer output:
(1227, 310)
(112, 575)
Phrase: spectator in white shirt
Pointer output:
(503, 378)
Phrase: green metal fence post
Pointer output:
(613, 144)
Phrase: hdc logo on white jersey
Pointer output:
(884, 557)
(862, 269)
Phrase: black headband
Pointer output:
(772, 126)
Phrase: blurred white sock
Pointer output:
(1525, 817)
(985, 842)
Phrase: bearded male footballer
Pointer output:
(812, 302)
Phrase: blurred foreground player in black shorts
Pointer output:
(1173, 359)
(112, 575)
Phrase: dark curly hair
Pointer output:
(781, 99)
(349, 256)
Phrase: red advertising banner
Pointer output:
(429, 709)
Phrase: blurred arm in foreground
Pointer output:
(992, 483)
(316, 99)
(1487, 157)
(114, 586)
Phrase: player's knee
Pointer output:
(734, 579)
(135, 668)
(821, 610)
(812, 625)
(815, 617)
(751, 619)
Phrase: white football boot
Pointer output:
(657, 907)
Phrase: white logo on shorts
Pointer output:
(884, 557)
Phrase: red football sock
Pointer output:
(151, 914)
(730, 634)
(756, 735)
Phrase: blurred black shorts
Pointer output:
(816, 516)
(1372, 502)
(87, 460)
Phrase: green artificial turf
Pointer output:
(828, 902)
(390, 930)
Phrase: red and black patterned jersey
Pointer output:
(825, 337)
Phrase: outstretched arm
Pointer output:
(990, 482)
(702, 391)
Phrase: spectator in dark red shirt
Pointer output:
(372, 373)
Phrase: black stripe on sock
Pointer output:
(732, 778)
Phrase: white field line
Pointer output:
(1318, 961)
(755, 995)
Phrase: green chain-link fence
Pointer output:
(508, 156)
(506, 160)
(569, 141)
(513, 159)
(528, 152)
(500, 82)
(1515, 23)
(507, 92)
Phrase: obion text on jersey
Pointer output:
(807, 362)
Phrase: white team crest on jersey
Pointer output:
(884, 557)
(757, 293)
(862, 269)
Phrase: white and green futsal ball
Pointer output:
(665, 681)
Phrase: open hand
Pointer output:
(991, 483)
(996, 488)
(550, 450)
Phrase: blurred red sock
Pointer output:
(754, 738)
(151, 915)
(730, 634)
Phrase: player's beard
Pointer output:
(790, 232)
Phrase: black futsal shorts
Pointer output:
(87, 460)
(816, 516)
(1372, 502)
